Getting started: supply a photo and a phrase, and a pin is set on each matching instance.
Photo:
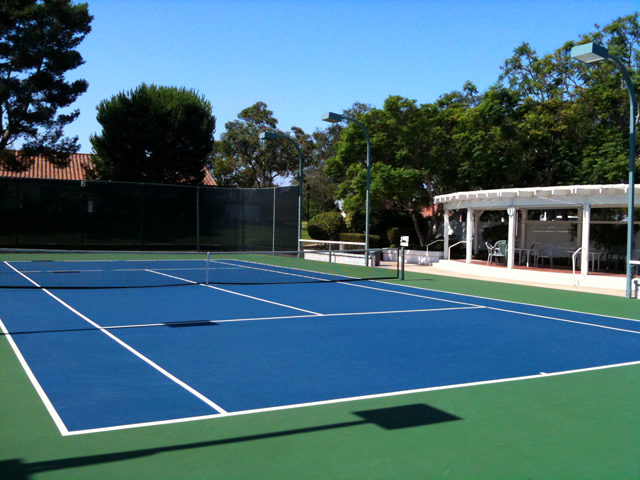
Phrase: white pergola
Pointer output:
(582, 197)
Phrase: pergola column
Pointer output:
(511, 241)
(470, 229)
(445, 234)
(586, 227)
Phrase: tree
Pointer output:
(403, 168)
(572, 119)
(154, 134)
(241, 159)
(38, 40)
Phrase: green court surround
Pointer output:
(582, 425)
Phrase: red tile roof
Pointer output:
(75, 170)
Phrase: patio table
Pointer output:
(529, 252)
(593, 258)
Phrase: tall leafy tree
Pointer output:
(405, 173)
(154, 134)
(573, 119)
(241, 159)
(38, 41)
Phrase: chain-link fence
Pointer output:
(92, 215)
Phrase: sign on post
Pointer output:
(404, 241)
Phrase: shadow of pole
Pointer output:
(391, 418)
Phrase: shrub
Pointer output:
(381, 221)
(326, 226)
(374, 240)
(394, 234)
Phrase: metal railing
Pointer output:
(573, 261)
(449, 252)
(427, 251)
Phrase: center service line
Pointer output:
(235, 293)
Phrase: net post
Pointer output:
(206, 282)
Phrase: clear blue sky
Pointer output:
(304, 58)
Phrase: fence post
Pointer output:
(197, 219)
(141, 216)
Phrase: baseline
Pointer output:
(354, 399)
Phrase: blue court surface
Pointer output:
(105, 359)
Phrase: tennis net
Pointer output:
(99, 269)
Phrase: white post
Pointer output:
(445, 234)
(511, 241)
(470, 228)
(586, 227)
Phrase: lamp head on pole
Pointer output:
(332, 117)
(267, 136)
(589, 53)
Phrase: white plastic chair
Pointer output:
(489, 252)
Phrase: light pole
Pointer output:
(335, 118)
(591, 53)
(273, 136)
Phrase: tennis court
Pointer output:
(236, 340)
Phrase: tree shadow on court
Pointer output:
(392, 418)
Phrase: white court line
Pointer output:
(122, 270)
(513, 311)
(43, 396)
(431, 290)
(564, 320)
(131, 349)
(287, 273)
(347, 283)
(507, 301)
(353, 399)
(171, 324)
(236, 293)
(376, 395)
(410, 294)
(470, 304)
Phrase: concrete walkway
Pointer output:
(535, 277)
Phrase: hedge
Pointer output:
(374, 240)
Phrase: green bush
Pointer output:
(326, 226)
(383, 220)
(374, 240)
(393, 235)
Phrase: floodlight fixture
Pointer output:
(590, 53)
(335, 118)
(332, 117)
(268, 136)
